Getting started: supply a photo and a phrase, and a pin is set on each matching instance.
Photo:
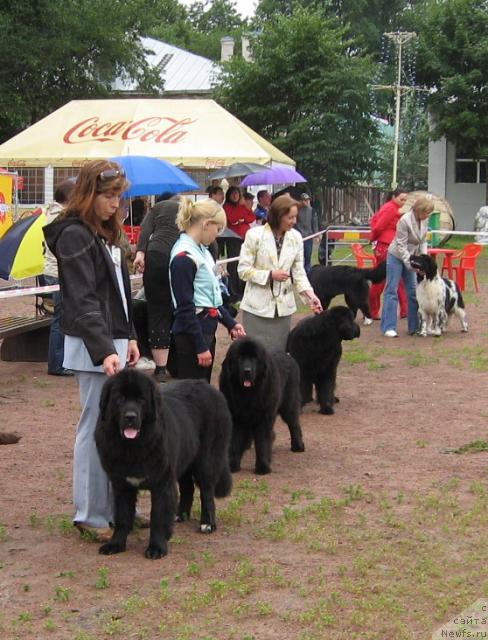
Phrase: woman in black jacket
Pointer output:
(158, 234)
(96, 321)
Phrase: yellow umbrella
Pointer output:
(22, 248)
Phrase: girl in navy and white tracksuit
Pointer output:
(195, 290)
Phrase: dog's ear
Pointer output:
(105, 398)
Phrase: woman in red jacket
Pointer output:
(239, 220)
(383, 228)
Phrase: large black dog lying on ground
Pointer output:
(152, 438)
(353, 283)
(258, 386)
(315, 343)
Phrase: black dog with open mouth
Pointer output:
(258, 386)
(156, 438)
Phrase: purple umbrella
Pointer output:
(275, 175)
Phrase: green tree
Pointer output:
(53, 52)
(305, 93)
(365, 20)
(453, 50)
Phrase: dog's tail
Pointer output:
(460, 300)
(9, 438)
(224, 483)
(376, 274)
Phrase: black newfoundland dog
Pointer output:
(315, 343)
(153, 438)
(258, 386)
(353, 283)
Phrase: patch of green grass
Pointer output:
(49, 625)
(472, 447)
(102, 581)
(134, 604)
(62, 594)
(246, 492)
(39, 382)
(3, 532)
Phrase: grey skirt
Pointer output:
(272, 332)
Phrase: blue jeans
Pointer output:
(55, 353)
(396, 269)
(307, 255)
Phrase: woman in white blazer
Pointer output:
(271, 265)
(410, 238)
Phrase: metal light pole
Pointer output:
(399, 38)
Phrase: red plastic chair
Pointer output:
(364, 259)
(467, 264)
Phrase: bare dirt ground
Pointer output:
(376, 531)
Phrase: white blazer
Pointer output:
(410, 238)
(262, 296)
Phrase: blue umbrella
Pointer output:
(152, 176)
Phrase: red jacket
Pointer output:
(239, 218)
(383, 223)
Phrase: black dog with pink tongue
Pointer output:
(157, 437)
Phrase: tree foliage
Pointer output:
(305, 93)
(453, 50)
(200, 28)
(54, 51)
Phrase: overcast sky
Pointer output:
(245, 7)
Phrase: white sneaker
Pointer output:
(367, 321)
(391, 333)
(145, 363)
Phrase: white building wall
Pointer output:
(464, 198)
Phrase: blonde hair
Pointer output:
(423, 205)
(191, 213)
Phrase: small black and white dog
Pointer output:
(438, 298)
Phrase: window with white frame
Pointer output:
(470, 171)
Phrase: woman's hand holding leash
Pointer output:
(204, 359)
(132, 353)
(313, 302)
(280, 275)
(111, 364)
(237, 331)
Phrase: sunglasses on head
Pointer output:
(110, 174)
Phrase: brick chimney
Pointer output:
(226, 48)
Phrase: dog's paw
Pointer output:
(182, 517)
(297, 447)
(207, 528)
(262, 469)
(111, 548)
(328, 411)
(155, 552)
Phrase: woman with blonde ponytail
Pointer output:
(195, 290)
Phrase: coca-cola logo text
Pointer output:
(164, 130)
